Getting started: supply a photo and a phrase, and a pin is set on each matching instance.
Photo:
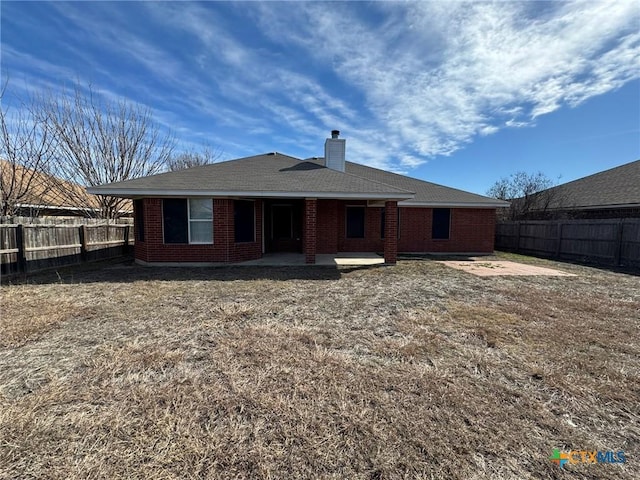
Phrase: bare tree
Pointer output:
(527, 192)
(193, 159)
(25, 149)
(102, 141)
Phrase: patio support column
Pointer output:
(390, 232)
(309, 245)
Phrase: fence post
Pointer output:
(126, 239)
(618, 245)
(559, 239)
(22, 251)
(83, 243)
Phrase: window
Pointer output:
(187, 221)
(138, 206)
(441, 223)
(244, 221)
(355, 222)
(175, 220)
(383, 222)
(200, 220)
(281, 222)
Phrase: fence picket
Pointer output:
(32, 247)
(614, 242)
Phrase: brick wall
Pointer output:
(223, 249)
(472, 230)
(391, 232)
(309, 230)
(372, 241)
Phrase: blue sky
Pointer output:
(451, 92)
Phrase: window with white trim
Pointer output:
(200, 220)
(187, 220)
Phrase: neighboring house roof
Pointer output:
(47, 192)
(617, 187)
(279, 175)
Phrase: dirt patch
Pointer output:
(493, 268)
(412, 371)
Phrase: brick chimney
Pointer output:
(334, 149)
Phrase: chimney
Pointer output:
(334, 148)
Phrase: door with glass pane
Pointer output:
(283, 227)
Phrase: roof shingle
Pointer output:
(616, 187)
(276, 174)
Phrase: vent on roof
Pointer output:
(334, 151)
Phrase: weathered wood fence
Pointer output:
(60, 220)
(29, 248)
(613, 242)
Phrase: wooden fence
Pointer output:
(29, 248)
(61, 220)
(613, 242)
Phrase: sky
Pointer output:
(456, 93)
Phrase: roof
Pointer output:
(426, 193)
(47, 191)
(279, 175)
(617, 187)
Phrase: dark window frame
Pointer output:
(349, 230)
(240, 236)
(176, 222)
(441, 224)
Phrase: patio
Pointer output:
(298, 259)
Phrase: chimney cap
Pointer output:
(335, 133)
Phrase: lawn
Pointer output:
(411, 371)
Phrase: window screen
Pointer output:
(175, 220)
(200, 220)
(355, 222)
(244, 221)
(441, 223)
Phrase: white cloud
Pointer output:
(436, 74)
(407, 80)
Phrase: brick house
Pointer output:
(241, 209)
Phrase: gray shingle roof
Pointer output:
(275, 174)
(616, 187)
(425, 192)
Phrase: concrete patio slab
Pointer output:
(298, 259)
(494, 268)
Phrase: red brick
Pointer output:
(324, 231)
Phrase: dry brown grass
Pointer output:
(413, 371)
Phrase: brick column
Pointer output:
(223, 232)
(309, 240)
(390, 232)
